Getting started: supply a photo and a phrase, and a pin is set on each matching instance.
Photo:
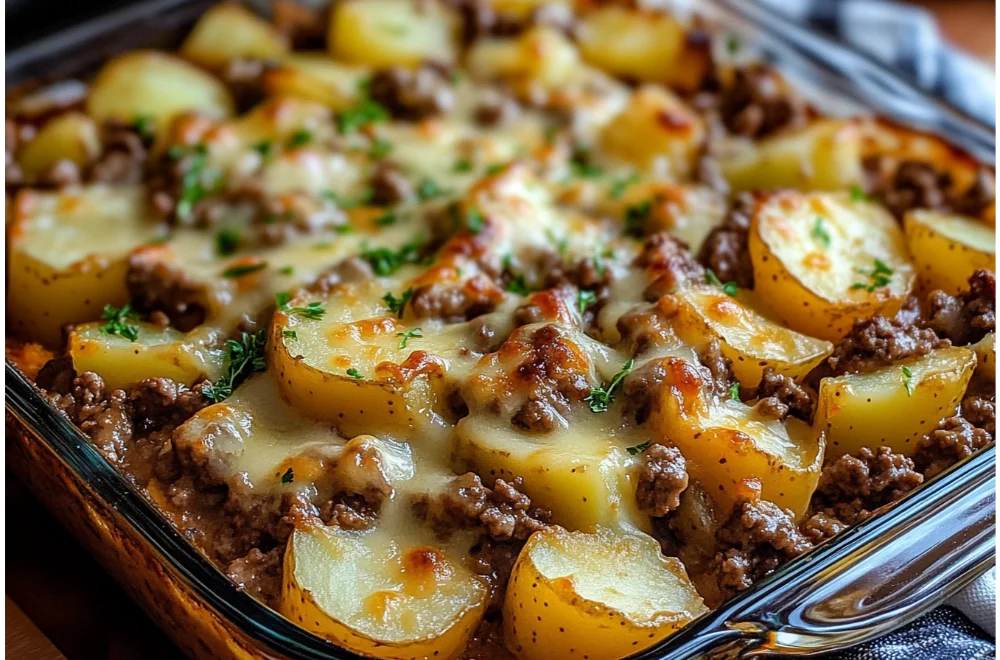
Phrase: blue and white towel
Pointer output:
(907, 39)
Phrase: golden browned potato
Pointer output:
(156, 86)
(656, 132)
(67, 256)
(750, 340)
(687, 211)
(388, 593)
(600, 596)
(229, 31)
(316, 77)
(826, 155)
(895, 405)
(382, 33)
(822, 261)
(155, 353)
(541, 57)
(72, 136)
(728, 445)
(947, 249)
(642, 45)
(986, 357)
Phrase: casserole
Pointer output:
(679, 640)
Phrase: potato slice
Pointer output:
(156, 353)
(601, 596)
(579, 473)
(389, 594)
(155, 85)
(383, 33)
(750, 340)
(824, 156)
(947, 249)
(822, 261)
(656, 132)
(72, 136)
(986, 357)
(316, 77)
(229, 31)
(727, 444)
(541, 57)
(894, 406)
(645, 46)
(67, 256)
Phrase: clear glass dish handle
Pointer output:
(887, 571)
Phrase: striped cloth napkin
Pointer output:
(907, 39)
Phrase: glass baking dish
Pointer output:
(876, 576)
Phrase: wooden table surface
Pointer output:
(66, 606)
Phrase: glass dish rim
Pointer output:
(272, 630)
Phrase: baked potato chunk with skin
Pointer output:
(157, 86)
(750, 340)
(229, 31)
(72, 136)
(389, 594)
(986, 356)
(601, 596)
(316, 77)
(823, 156)
(156, 353)
(727, 443)
(947, 249)
(822, 261)
(656, 132)
(642, 45)
(540, 57)
(67, 255)
(383, 33)
(895, 405)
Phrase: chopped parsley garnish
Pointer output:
(734, 392)
(820, 233)
(581, 166)
(380, 148)
(908, 380)
(551, 132)
(729, 288)
(462, 166)
(858, 194)
(456, 77)
(354, 373)
(290, 334)
(198, 180)
(243, 269)
(299, 138)
(288, 477)
(117, 321)
(495, 168)
(145, 127)
(385, 261)
(245, 357)
(287, 270)
(637, 449)
(385, 220)
(618, 186)
(313, 311)
(265, 148)
(397, 305)
(473, 220)
(366, 111)
(561, 243)
(406, 336)
(599, 256)
(636, 216)
(585, 299)
(226, 241)
(879, 276)
(429, 189)
(519, 286)
(364, 199)
(601, 398)
(322, 245)
(732, 43)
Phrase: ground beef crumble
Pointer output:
(878, 341)
(726, 250)
(967, 317)
(784, 396)
(661, 479)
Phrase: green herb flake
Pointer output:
(585, 299)
(409, 334)
(908, 380)
(820, 233)
(636, 217)
(495, 168)
(287, 270)
(562, 244)
(364, 112)
(227, 240)
(581, 166)
(429, 189)
(519, 286)
(734, 392)
(879, 275)
(729, 288)
(601, 398)
(245, 356)
(397, 305)
(355, 374)
(198, 180)
(732, 43)
(462, 166)
(117, 321)
(618, 186)
(313, 311)
(637, 449)
(385, 220)
(265, 148)
(386, 261)
(858, 194)
(363, 199)
(288, 477)
(474, 220)
(145, 126)
(244, 269)
(299, 138)
(290, 334)
(380, 148)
